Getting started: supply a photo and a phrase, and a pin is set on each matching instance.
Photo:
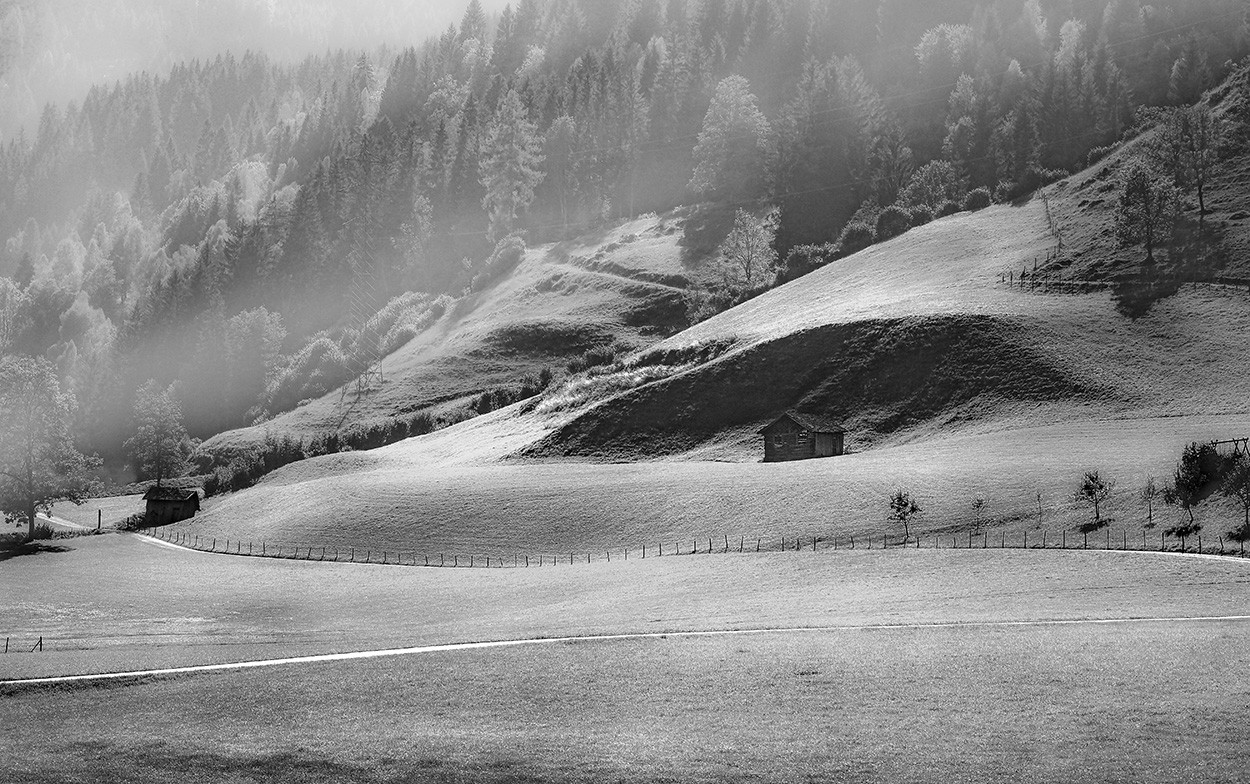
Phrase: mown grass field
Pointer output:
(118, 602)
(1149, 702)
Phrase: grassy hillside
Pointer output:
(952, 379)
(953, 385)
(621, 287)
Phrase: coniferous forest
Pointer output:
(224, 221)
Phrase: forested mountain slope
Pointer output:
(259, 231)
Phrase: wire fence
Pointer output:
(1038, 539)
(1105, 539)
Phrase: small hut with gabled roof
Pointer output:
(795, 436)
(170, 504)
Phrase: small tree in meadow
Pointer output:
(746, 257)
(1150, 494)
(904, 509)
(1236, 485)
(1093, 491)
(1192, 480)
(978, 508)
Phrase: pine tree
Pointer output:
(510, 166)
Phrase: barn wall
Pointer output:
(783, 442)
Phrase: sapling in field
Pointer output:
(1236, 485)
(1197, 470)
(903, 509)
(1150, 494)
(978, 507)
(1093, 491)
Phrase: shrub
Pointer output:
(893, 221)
(599, 355)
(920, 215)
(507, 255)
(977, 199)
(933, 184)
(948, 208)
(320, 366)
(803, 259)
(855, 237)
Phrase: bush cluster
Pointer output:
(246, 468)
(978, 199)
(803, 259)
(495, 399)
(595, 357)
(507, 255)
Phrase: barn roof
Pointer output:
(155, 493)
(807, 422)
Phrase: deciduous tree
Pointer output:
(735, 150)
(1147, 208)
(747, 257)
(1093, 491)
(1195, 474)
(904, 509)
(160, 445)
(1236, 485)
(1150, 493)
(38, 462)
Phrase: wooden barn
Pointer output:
(170, 504)
(795, 436)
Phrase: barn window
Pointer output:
(779, 439)
(802, 434)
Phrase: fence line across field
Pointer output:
(1103, 539)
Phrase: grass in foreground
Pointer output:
(1144, 702)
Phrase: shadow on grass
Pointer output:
(15, 549)
(163, 762)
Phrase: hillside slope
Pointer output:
(623, 287)
(952, 383)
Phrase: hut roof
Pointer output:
(807, 422)
(155, 493)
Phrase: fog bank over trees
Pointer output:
(55, 50)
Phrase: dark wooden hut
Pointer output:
(170, 504)
(795, 436)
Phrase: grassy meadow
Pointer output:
(120, 602)
(1149, 702)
